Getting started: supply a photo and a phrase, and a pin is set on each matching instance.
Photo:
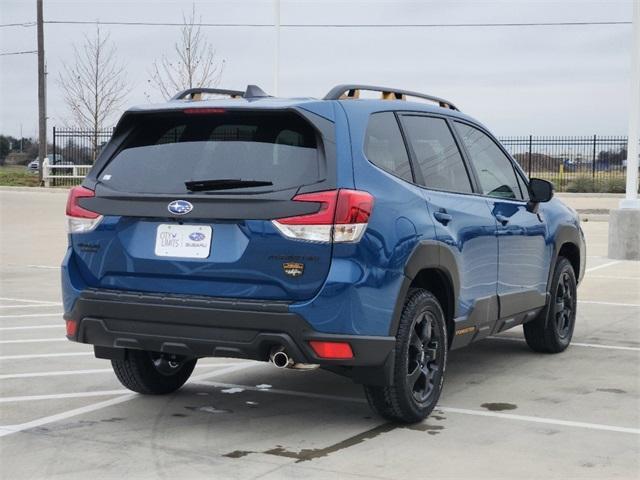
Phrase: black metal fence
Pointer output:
(578, 164)
(78, 146)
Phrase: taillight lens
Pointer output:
(332, 350)
(79, 219)
(342, 217)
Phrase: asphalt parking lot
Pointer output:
(505, 412)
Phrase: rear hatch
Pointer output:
(188, 197)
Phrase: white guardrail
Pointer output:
(63, 175)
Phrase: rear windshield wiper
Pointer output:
(224, 184)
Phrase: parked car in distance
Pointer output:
(367, 237)
(33, 166)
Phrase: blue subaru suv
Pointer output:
(368, 237)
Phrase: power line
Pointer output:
(18, 53)
(24, 24)
(343, 25)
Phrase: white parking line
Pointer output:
(36, 340)
(614, 277)
(463, 411)
(56, 396)
(32, 305)
(26, 300)
(33, 315)
(59, 326)
(604, 265)
(575, 344)
(58, 373)
(548, 421)
(610, 304)
(44, 355)
(53, 267)
(9, 429)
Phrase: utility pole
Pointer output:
(42, 99)
(276, 57)
(631, 198)
(624, 222)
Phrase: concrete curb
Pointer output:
(59, 190)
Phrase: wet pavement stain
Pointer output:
(313, 453)
(76, 424)
(498, 406)
(425, 427)
(611, 390)
(307, 454)
(113, 419)
(238, 453)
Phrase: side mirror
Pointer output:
(540, 190)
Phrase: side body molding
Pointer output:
(426, 254)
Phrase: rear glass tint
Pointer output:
(162, 152)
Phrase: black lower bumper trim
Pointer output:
(210, 327)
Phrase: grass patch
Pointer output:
(17, 176)
(609, 182)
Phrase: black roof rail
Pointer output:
(252, 91)
(352, 91)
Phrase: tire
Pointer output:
(152, 373)
(552, 329)
(420, 362)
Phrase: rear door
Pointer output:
(524, 254)
(462, 219)
(183, 216)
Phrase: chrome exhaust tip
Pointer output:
(280, 358)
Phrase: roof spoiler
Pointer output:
(347, 91)
(252, 91)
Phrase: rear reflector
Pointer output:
(79, 219)
(71, 328)
(342, 216)
(332, 350)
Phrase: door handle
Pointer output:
(502, 219)
(443, 217)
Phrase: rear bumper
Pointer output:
(212, 327)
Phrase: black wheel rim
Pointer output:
(166, 364)
(564, 305)
(423, 367)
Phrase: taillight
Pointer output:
(342, 217)
(79, 219)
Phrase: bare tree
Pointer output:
(94, 85)
(193, 64)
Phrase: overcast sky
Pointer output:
(558, 80)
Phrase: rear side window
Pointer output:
(162, 152)
(436, 154)
(384, 147)
(495, 171)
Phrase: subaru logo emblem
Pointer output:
(197, 236)
(180, 207)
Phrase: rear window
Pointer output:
(163, 152)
